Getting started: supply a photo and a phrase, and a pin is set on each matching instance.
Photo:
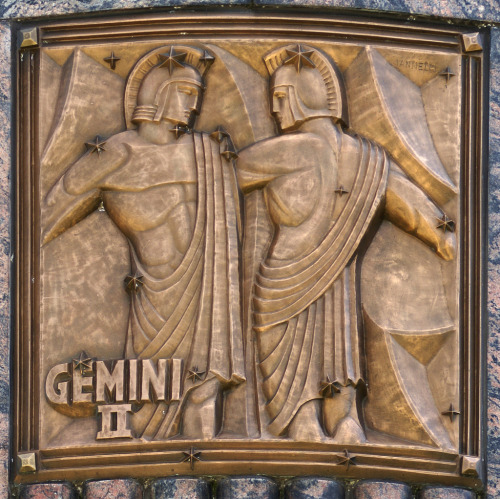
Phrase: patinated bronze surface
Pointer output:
(249, 244)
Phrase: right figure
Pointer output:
(326, 192)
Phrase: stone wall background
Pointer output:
(479, 13)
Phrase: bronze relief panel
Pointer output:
(249, 250)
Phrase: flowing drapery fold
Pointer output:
(194, 313)
(306, 310)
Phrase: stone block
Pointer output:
(247, 488)
(313, 488)
(376, 489)
(446, 493)
(55, 490)
(179, 488)
(118, 489)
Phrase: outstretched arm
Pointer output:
(262, 162)
(77, 193)
(61, 210)
(411, 210)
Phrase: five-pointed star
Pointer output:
(207, 58)
(191, 456)
(299, 58)
(219, 134)
(447, 74)
(96, 146)
(83, 363)
(133, 282)
(445, 224)
(179, 131)
(346, 460)
(451, 412)
(172, 60)
(195, 375)
(328, 388)
(341, 191)
(112, 60)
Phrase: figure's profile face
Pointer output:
(281, 107)
(182, 103)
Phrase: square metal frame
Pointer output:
(233, 456)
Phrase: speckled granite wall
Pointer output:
(494, 274)
(487, 12)
(5, 222)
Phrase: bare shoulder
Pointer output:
(93, 166)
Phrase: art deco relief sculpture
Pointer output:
(250, 251)
(168, 191)
(172, 193)
(325, 191)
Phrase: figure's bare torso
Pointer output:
(151, 197)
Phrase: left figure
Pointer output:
(170, 192)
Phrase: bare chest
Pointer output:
(149, 166)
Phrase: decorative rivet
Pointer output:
(26, 463)
(28, 38)
(472, 42)
(470, 466)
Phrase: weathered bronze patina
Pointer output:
(249, 243)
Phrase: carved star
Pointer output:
(341, 191)
(229, 153)
(112, 60)
(191, 456)
(133, 283)
(195, 375)
(172, 60)
(207, 58)
(299, 58)
(346, 460)
(179, 130)
(451, 412)
(447, 74)
(445, 224)
(329, 388)
(83, 363)
(219, 134)
(96, 146)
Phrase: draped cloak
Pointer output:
(193, 314)
(307, 308)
